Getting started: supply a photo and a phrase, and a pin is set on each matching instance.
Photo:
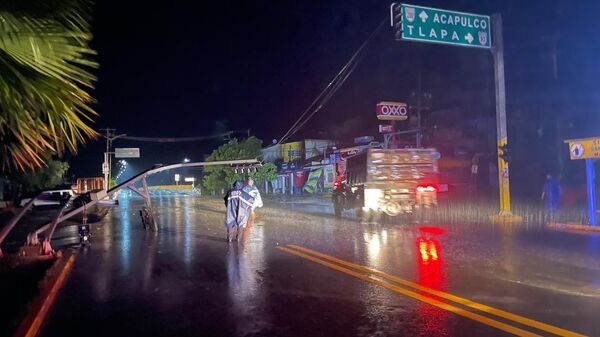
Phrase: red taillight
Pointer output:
(428, 188)
(339, 182)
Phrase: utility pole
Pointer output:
(107, 163)
(419, 105)
(502, 134)
(423, 101)
(557, 105)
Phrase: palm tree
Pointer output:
(45, 79)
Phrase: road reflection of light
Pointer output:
(594, 250)
(594, 244)
(428, 250)
(148, 255)
(102, 281)
(176, 226)
(125, 236)
(429, 262)
(430, 270)
(378, 301)
(187, 232)
(151, 249)
(161, 199)
(373, 248)
(245, 269)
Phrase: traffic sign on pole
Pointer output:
(586, 148)
(127, 152)
(426, 24)
(440, 26)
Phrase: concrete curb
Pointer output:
(51, 285)
(576, 227)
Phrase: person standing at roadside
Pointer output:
(551, 194)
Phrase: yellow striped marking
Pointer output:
(441, 294)
(466, 302)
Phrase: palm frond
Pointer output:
(45, 69)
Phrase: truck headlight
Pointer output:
(372, 197)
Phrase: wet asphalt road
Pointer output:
(185, 280)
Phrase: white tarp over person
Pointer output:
(251, 189)
(239, 206)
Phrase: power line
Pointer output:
(177, 140)
(307, 110)
(335, 84)
(345, 73)
(325, 100)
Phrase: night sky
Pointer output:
(181, 70)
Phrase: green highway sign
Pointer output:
(425, 24)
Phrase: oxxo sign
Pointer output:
(392, 111)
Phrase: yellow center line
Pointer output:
(32, 329)
(445, 306)
(466, 302)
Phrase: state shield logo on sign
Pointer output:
(482, 38)
(410, 14)
(577, 150)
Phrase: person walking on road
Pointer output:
(251, 189)
(239, 207)
(551, 194)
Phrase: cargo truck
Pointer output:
(392, 181)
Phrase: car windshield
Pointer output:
(299, 168)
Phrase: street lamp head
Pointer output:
(186, 160)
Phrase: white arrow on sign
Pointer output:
(577, 150)
(423, 16)
(469, 38)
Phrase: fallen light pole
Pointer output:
(103, 194)
(11, 224)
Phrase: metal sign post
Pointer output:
(591, 189)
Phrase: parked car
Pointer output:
(52, 198)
